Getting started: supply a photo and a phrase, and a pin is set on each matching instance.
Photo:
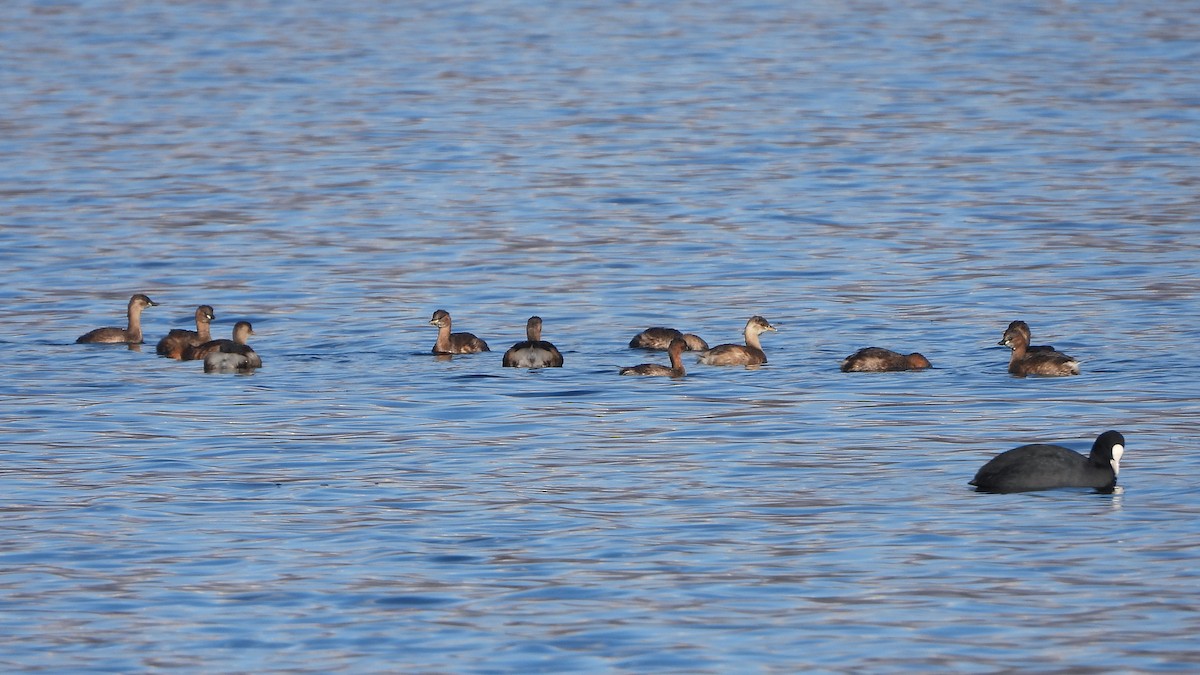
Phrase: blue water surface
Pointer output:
(908, 175)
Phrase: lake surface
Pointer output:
(908, 175)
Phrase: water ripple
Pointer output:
(901, 175)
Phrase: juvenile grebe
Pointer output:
(242, 330)
(180, 339)
(659, 338)
(232, 358)
(454, 343)
(878, 360)
(674, 351)
(749, 354)
(1044, 467)
(533, 352)
(1023, 362)
(130, 335)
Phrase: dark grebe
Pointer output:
(534, 352)
(674, 351)
(1044, 467)
(454, 343)
(878, 360)
(180, 339)
(130, 335)
(659, 338)
(232, 358)
(1049, 363)
(242, 330)
(750, 354)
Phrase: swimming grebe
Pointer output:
(232, 358)
(1044, 467)
(660, 338)
(749, 354)
(130, 335)
(1023, 362)
(878, 360)
(454, 343)
(180, 339)
(533, 352)
(242, 330)
(1022, 327)
(674, 351)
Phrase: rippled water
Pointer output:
(908, 175)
